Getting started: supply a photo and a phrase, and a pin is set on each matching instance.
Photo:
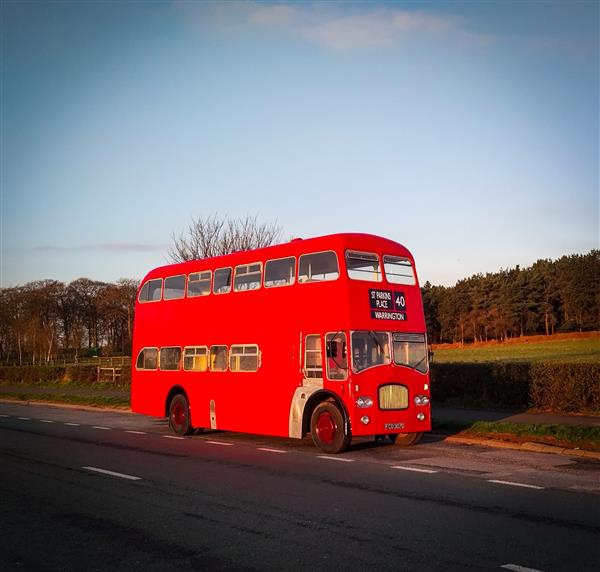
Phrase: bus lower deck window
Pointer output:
(243, 358)
(195, 359)
(147, 359)
(170, 358)
(218, 358)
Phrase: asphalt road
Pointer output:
(89, 490)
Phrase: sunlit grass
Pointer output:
(586, 350)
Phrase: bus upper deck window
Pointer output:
(247, 277)
(174, 287)
(151, 291)
(399, 270)
(363, 266)
(281, 272)
(199, 284)
(222, 281)
(318, 267)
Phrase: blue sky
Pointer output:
(467, 131)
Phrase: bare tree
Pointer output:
(216, 235)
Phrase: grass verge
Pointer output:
(92, 400)
(569, 436)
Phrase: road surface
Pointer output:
(98, 490)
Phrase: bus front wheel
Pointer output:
(405, 439)
(327, 428)
(180, 420)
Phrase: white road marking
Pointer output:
(72, 424)
(112, 473)
(24, 418)
(517, 568)
(172, 437)
(271, 450)
(513, 484)
(220, 443)
(429, 471)
(137, 432)
(46, 421)
(103, 428)
(335, 458)
(4, 415)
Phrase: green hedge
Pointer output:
(557, 386)
(55, 374)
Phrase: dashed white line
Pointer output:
(342, 459)
(103, 428)
(220, 443)
(4, 415)
(513, 484)
(517, 568)
(173, 437)
(72, 424)
(112, 473)
(136, 432)
(24, 418)
(268, 450)
(414, 469)
(46, 421)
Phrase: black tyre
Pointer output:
(327, 428)
(180, 418)
(405, 439)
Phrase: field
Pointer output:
(583, 348)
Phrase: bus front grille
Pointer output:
(393, 396)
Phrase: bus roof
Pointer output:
(295, 247)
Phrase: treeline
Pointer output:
(47, 320)
(546, 298)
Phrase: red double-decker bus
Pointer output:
(323, 336)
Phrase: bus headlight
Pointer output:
(365, 419)
(364, 402)
(421, 416)
(421, 400)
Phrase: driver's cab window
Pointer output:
(337, 356)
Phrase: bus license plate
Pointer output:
(391, 426)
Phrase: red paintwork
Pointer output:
(276, 319)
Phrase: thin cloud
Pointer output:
(337, 27)
(104, 247)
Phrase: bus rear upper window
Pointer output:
(363, 266)
(280, 272)
(399, 270)
(199, 284)
(247, 277)
(318, 267)
(222, 281)
(147, 359)
(174, 287)
(151, 291)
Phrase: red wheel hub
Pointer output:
(326, 427)
(178, 415)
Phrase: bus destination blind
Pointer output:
(387, 305)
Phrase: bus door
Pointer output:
(313, 362)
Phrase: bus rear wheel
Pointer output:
(327, 428)
(405, 439)
(180, 419)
